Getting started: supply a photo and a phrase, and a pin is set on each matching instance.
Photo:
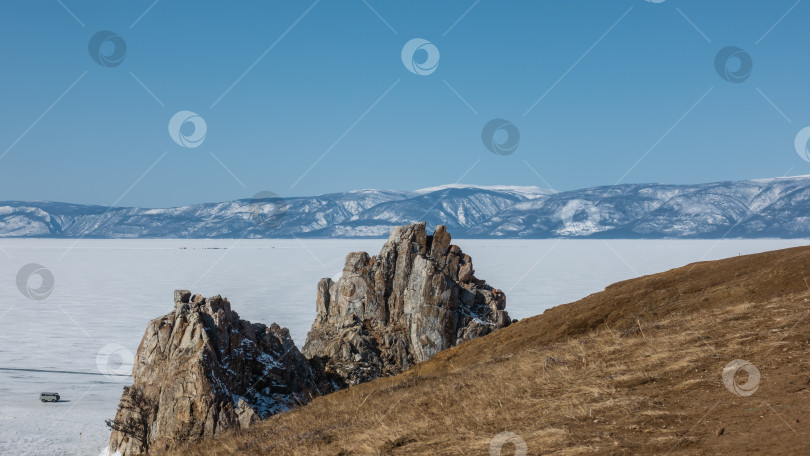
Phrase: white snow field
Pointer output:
(79, 337)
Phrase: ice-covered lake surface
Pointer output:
(105, 292)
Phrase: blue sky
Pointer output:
(303, 98)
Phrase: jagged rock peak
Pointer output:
(418, 296)
(208, 370)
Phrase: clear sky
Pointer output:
(304, 97)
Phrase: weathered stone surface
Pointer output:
(417, 297)
(210, 370)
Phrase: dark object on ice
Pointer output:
(49, 397)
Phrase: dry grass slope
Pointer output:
(635, 369)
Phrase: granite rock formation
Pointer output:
(209, 371)
(387, 312)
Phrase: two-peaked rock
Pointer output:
(208, 370)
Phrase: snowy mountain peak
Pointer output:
(527, 191)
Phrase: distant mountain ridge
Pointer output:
(776, 207)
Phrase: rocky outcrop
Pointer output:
(387, 312)
(209, 370)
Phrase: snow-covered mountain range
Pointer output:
(778, 207)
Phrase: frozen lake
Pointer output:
(75, 340)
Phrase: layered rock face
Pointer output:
(387, 312)
(209, 370)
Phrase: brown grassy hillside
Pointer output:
(635, 369)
